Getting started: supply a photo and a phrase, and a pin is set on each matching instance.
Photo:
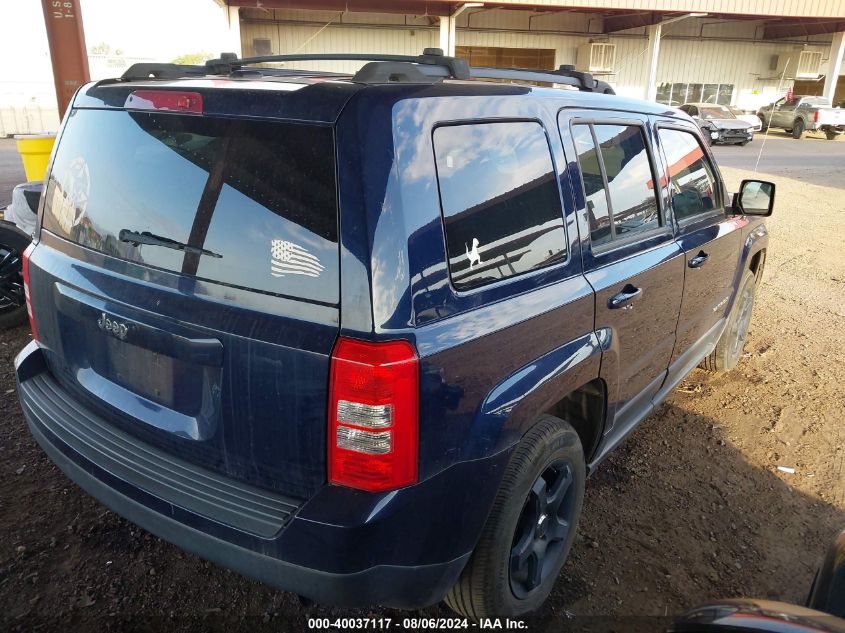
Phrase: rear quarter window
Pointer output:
(258, 196)
(500, 200)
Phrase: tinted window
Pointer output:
(629, 177)
(500, 200)
(628, 205)
(691, 181)
(593, 181)
(258, 197)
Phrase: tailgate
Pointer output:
(186, 286)
(832, 116)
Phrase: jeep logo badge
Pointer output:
(112, 326)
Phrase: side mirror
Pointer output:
(755, 197)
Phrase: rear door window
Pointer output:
(254, 201)
(500, 199)
(618, 155)
(592, 177)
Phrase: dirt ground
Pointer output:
(690, 508)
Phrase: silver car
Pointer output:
(719, 124)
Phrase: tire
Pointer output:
(13, 243)
(494, 584)
(728, 350)
(763, 123)
(831, 135)
(798, 129)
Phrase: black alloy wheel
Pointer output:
(13, 242)
(530, 528)
(543, 528)
(11, 280)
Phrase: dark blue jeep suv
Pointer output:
(363, 337)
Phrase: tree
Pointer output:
(192, 58)
(103, 48)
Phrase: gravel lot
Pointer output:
(690, 508)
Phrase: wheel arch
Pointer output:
(563, 382)
(585, 408)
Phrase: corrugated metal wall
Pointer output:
(293, 31)
(695, 50)
(794, 8)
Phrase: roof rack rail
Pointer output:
(566, 75)
(154, 70)
(432, 63)
(430, 67)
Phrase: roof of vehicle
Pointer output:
(320, 97)
(305, 98)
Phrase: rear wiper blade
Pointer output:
(147, 238)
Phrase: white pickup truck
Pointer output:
(801, 113)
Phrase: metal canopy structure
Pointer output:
(801, 28)
(784, 19)
(781, 21)
(795, 9)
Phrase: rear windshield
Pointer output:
(244, 203)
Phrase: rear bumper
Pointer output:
(344, 547)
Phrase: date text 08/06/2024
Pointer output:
(413, 624)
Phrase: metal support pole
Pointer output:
(447, 34)
(834, 65)
(233, 16)
(67, 48)
(447, 27)
(654, 33)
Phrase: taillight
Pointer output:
(26, 291)
(816, 116)
(175, 100)
(373, 415)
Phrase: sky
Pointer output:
(158, 30)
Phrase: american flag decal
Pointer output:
(287, 258)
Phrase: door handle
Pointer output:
(699, 260)
(621, 300)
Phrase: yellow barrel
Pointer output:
(35, 152)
